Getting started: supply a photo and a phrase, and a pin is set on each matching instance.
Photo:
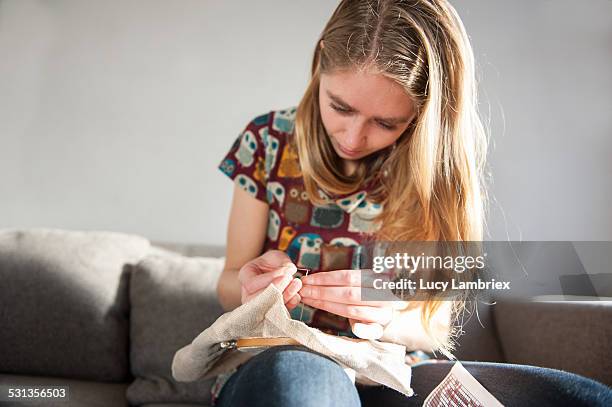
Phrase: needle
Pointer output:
(301, 303)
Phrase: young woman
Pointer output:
(386, 144)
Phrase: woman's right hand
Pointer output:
(272, 267)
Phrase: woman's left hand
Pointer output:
(340, 292)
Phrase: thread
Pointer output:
(301, 303)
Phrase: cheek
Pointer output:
(382, 139)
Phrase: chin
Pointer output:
(350, 157)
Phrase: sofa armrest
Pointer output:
(571, 336)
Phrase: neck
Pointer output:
(349, 167)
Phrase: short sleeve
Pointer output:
(245, 162)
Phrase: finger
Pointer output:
(255, 267)
(346, 295)
(259, 281)
(273, 259)
(292, 289)
(343, 278)
(365, 330)
(381, 315)
(247, 272)
(282, 282)
(293, 302)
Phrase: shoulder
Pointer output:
(283, 121)
(263, 141)
(268, 133)
(276, 123)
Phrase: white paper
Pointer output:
(460, 388)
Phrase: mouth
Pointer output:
(348, 152)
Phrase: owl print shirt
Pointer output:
(264, 162)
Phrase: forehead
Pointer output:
(369, 92)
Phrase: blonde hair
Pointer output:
(436, 189)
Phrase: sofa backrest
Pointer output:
(64, 302)
(479, 340)
(566, 335)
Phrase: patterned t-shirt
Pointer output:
(264, 162)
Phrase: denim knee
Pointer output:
(290, 376)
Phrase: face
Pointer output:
(363, 112)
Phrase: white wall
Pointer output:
(546, 70)
(114, 115)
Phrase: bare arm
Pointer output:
(246, 234)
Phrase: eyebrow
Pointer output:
(391, 120)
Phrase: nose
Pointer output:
(355, 135)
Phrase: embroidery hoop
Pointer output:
(259, 344)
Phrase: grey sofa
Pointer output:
(104, 312)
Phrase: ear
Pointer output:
(321, 44)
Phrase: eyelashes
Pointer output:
(340, 109)
(346, 112)
(386, 126)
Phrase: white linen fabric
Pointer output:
(266, 315)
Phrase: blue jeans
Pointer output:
(296, 376)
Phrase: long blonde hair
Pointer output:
(435, 191)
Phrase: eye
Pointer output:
(386, 126)
(340, 109)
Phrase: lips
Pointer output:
(345, 151)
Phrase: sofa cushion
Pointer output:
(81, 393)
(173, 298)
(64, 302)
